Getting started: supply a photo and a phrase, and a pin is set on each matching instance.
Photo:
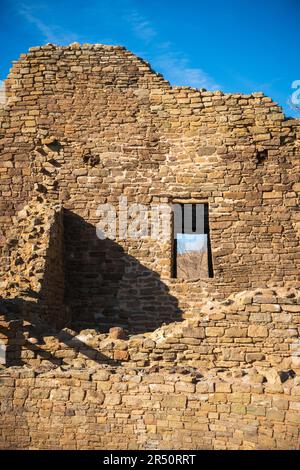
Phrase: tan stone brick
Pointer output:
(174, 401)
(256, 410)
(236, 332)
(112, 399)
(223, 387)
(260, 316)
(214, 331)
(272, 195)
(252, 357)
(239, 397)
(280, 403)
(275, 415)
(185, 387)
(60, 395)
(293, 417)
(6, 392)
(291, 308)
(193, 332)
(77, 394)
(161, 388)
(258, 331)
(270, 308)
(121, 355)
(101, 375)
(296, 187)
(95, 396)
(238, 408)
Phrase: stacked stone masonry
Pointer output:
(138, 409)
(104, 348)
(34, 255)
(87, 124)
(259, 328)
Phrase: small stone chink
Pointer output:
(91, 160)
(54, 145)
(261, 156)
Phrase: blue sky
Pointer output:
(191, 242)
(232, 45)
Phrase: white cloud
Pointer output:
(165, 57)
(52, 33)
(140, 26)
(176, 68)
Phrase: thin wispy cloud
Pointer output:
(252, 85)
(163, 54)
(170, 37)
(165, 57)
(177, 69)
(140, 26)
(52, 33)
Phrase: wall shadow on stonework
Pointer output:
(20, 329)
(107, 287)
(103, 287)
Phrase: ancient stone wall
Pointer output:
(34, 279)
(259, 328)
(87, 124)
(116, 353)
(140, 409)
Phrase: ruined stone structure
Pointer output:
(82, 126)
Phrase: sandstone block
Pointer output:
(60, 395)
(259, 331)
(260, 317)
(101, 375)
(193, 332)
(238, 408)
(275, 415)
(77, 394)
(236, 332)
(223, 387)
(272, 195)
(293, 417)
(214, 331)
(175, 401)
(121, 355)
(95, 396)
(112, 399)
(117, 333)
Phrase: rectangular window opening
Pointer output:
(192, 257)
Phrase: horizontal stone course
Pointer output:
(234, 413)
(117, 353)
(72, 112)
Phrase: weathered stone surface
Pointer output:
(236, 332)
(258, 331)
(83, 126)
(116, 333)
(176, 401)
(220, 403)
(98, 105)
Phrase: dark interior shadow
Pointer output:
(102, 287)
(106, 287)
